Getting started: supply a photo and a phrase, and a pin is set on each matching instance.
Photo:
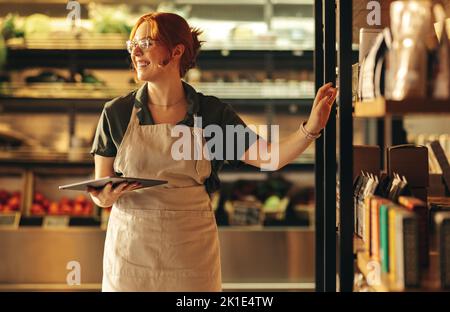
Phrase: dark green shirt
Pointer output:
(116, 116)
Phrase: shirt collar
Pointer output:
(192, 98)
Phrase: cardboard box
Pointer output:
(410, 161)
(436, 186)
(366, 158)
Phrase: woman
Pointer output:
(165, 238)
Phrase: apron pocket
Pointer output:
(115, 252)
(191, 244)
(143, 247)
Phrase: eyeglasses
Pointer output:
(143, 44)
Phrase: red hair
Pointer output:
(171, 29)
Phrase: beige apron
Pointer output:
(162, 238)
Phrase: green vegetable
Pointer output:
(110, 19)
(9, 27)
(37, 23)
(3, 52)
(90, 79)
(107, 25)
(272, 203)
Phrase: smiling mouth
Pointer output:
(142, 64)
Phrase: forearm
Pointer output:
(291, 147)
(275, 155)
(103, 168)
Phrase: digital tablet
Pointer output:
(100, 183)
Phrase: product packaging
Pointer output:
(407, 59)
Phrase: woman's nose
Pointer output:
(136, 51)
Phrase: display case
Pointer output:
(59, 73)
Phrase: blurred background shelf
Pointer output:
(250, 2)
(110, 42)
(196, 2)
(221, 56)
(83, 160)
(292, 90)
(296, 97)
(57, 78)
(381, 107)
(41, 160)
(89, 105)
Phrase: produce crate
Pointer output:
(275, 208)
(12, 186)
(246, 213)
(46, 199)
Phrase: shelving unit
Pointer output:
(326, 152)
(224, 90)
(87, 50)
(250, 2)
(85, 98)
(64, 161)
(116, 42)
(250, 56)
(216, 2)
(429, 280)
(352, 253)
(334, 237)
(429, 277)
(381, 107)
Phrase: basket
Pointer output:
(244, 212)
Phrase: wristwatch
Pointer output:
(309, 135)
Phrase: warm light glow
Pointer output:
(408, 43)
(438, 28)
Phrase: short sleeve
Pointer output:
(103, 143)
(238, 136)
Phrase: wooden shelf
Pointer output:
(380, 107)
(362, 261)
(63, 164)
(429, 277)
(358, 244)
(270, 90)
(90, 98)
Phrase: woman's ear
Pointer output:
(178, 51)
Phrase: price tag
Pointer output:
(56, 221)
(9, 220)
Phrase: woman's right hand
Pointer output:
(108, 195)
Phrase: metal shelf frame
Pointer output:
(334, 247)
(119, 58)
(87, 106)
(319, 172)
(346, 229)
(85, 164)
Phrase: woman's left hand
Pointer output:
(320, 111)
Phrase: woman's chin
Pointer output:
(143, 76)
